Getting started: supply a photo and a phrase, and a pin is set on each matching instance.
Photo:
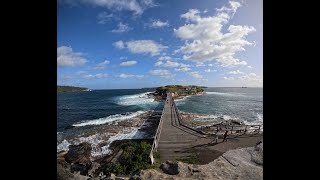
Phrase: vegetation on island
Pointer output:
(71, 89)
(179, 90)
(133, 159)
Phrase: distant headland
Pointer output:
(71, 89)
(179, 91)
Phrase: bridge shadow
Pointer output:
(177, 125)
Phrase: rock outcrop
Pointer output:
(79, 153)
(240, 164)
(79, 158)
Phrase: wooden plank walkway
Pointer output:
(174, 138)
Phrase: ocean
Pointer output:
(85, 116)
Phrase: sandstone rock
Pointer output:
(94, 170)
(63, 174)
(120, 178)
(79, 153)
(82, 168)
(240, 164)
(135, 177)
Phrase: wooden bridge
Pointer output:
(173, 137)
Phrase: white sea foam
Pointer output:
(95, 140)
(226, 94)
(214, 117)
(135, 99)
(258, 121)
(116, 117)
(63, 146)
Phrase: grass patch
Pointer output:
(193, 159)
(157, 162)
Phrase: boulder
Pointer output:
(79, 153)
(170, 167)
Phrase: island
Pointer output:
(71, 89)
(178, 91)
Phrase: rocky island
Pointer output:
(178, 91)
(71, 89)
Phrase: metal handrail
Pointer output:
(157, 136)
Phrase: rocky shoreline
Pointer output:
(241, 163)
(79, 163)
(79, 160)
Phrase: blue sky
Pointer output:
(112, 44)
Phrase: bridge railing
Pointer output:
(231, 128)
(157, 137)
(244, 129)
(181, 121)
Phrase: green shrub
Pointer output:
(134, 158)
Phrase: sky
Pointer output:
(128, 44)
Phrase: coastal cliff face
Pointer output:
(177, 90)
(241, 164)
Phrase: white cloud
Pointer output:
(79, 73)
(66, 77)
(128, 63)
(158, 24)
(131, 76)
(228, 78)
(162, 73)
(119, 44)
(121, 28)
(101, 65)
(141, 46)
(67, 57)
(167, 64)
(200, 64)
(250, 67)
(209, 70)
(205, 40)
(136, 6)
(252, 79)
(236, 72)
(196, 75)
(171, 64)
(104, 17)
(210, 65)
(161, 58)
(234, 6)
(96, 76)
(183, 69)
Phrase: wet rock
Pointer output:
(79, 153)
(170, 167)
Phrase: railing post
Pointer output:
(231, 129)
(245, 130)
